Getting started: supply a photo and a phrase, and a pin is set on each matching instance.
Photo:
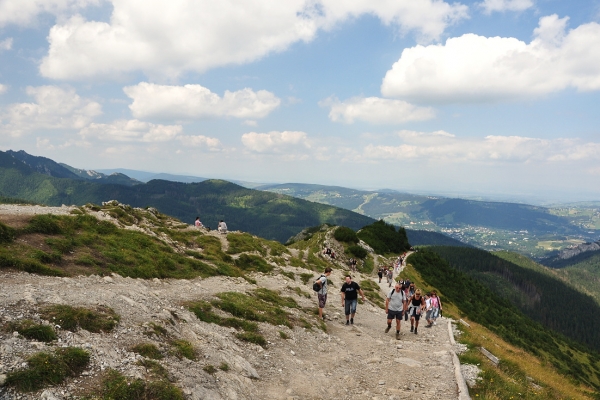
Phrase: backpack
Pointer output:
(317, 285)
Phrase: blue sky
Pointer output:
(498, 98)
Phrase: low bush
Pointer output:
(47, 369)
(7, 234)
(209, 369)
(357, 251)
(344, 234)
(252, 337)
(103, 319)
(249, 262)
(183, 348)
(33, 331)
(116, 387)
(148, 350)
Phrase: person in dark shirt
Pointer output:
(350, 291)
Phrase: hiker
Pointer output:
(380, 274)
(390, 277)
(322, 294)
(395, 304)
(222, 227)
(416, 303)
(350, 292)
(198, 224)
(436, 307)
(429, 310)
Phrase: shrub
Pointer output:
(252, 337)
(209, 369)
(357, 251)
(103, 319)
(148, 350)
(30, 330)
(344, 234)
(248, 262)
(46, 369)
(7, 234)
(116, 387)
(224, 367)
(183, 348)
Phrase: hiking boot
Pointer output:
(397, 335)
(347, 322)
(415, 331)
(352, 321)
(412, 328)
(388, 329)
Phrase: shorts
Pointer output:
(428, 314)
(395, 314)
(414, 313)
(322, 299)
(350, 306)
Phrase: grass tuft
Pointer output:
(103, 319)
(252, 337)
(183, 348)
(33, 331)
(148, 350)
(116, 387)
(47, 369)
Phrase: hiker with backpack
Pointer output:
(436, 306)
(320, 286)
(395, 305)
(350, 291)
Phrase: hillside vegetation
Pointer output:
(269, 215)
(538, 295)
(496, 312)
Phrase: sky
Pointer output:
(498, 98)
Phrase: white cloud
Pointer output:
(195, 102)
(24, 12)
(441, 145)
(212, 144)
(54, 108)
(276, 142)
(375, 110)
(474, 68)
(3, 88)
(131, 131)
(6, 44)
(165, 39)
(489, 6)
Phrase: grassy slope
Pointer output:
(268, 215)
(477, 302)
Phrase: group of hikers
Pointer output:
(221, 227)
(403, 301)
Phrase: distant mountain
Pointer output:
(144, 176)
(43, 165)
(527, 229)
(265, 214)
(429, 238)
(573, 255)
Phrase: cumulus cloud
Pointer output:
(375, 110)
(53, 108)
(20, 12)
(490, 6)
(473, 68)
(276, 142)
(441, 145)
(3, 88)
(6, 44)
(131, 131)
(196, 102)
(168, 38)
(212, 144)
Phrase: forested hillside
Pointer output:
(265, 214)
(543, 298)
(480, 304)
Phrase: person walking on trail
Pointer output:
(380, 273)
(322, 294)
(222, 228)
(350, 291)
(429, 310)
(395, 304)
(390, 277)
(416, 304)
(436, 307)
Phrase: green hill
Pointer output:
(269, 215)
(540, 296)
